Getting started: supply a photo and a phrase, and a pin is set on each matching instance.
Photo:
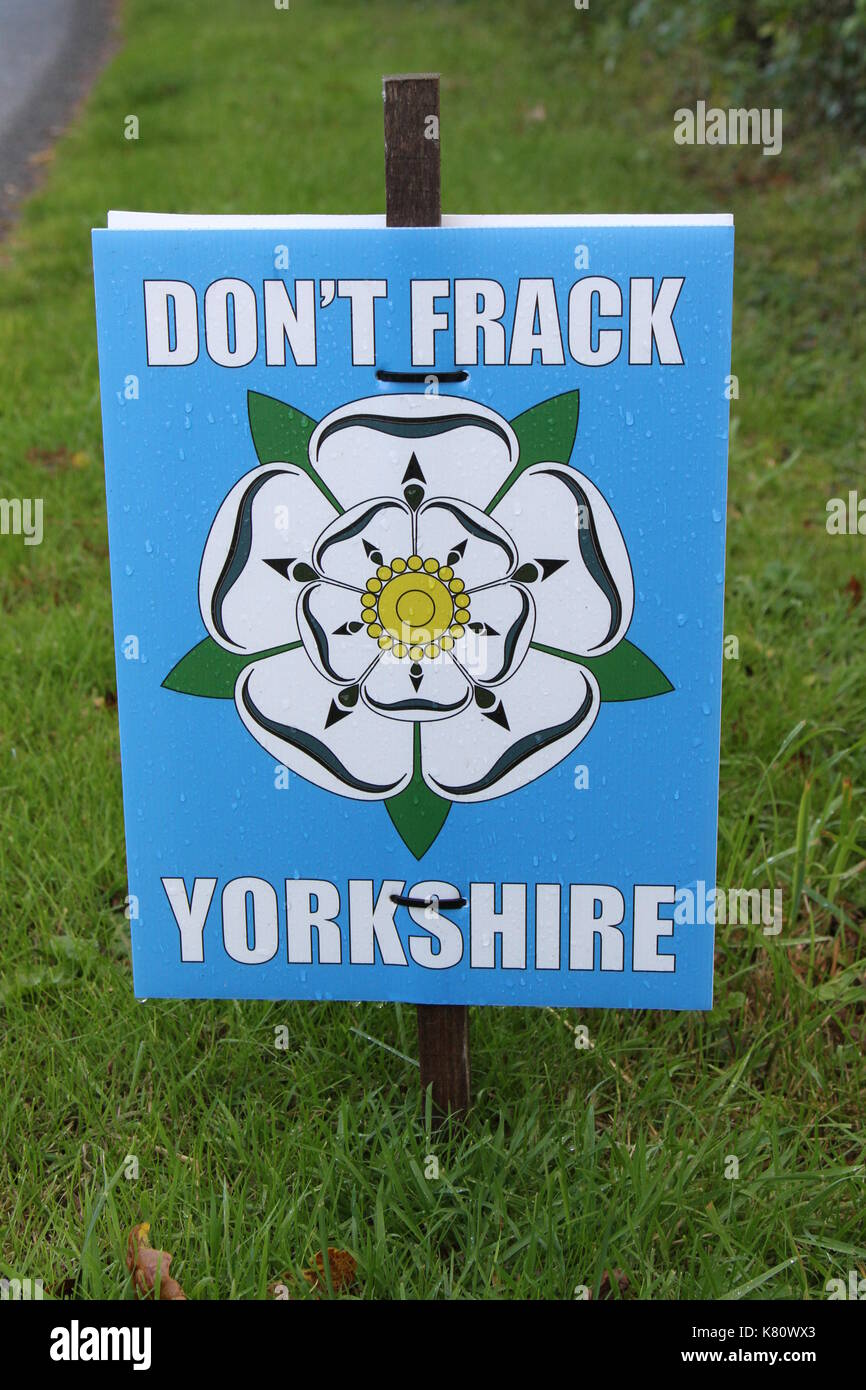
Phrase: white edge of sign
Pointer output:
(182, 221)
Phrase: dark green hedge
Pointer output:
(808, 56)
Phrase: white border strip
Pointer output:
(182, 221)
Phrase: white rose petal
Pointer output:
(440, 692)
(498, 635)
(272, 514)
(545, 710)
(346, 551)
(336, 641)
(365, 448)
(557, 516)
(299, 717)
(483, 551)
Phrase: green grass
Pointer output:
(574, 1162)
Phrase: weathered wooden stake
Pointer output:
(413, 199)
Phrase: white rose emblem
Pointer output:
(432, 617)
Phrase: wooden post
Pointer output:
(413, 196)
(413, 199)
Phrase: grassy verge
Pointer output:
(577, 1161)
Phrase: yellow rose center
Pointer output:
(415, 608)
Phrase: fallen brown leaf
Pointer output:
(855, 589)
(144, 1264)
(342, 1266)
(106, 701)
(57, 460)
(63, 1288)
(606, 1287)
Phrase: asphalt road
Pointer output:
(49, 52)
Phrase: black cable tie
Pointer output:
(421, 378)
(402, 901)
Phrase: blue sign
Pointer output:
(417, 550)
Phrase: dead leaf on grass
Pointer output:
(58, 460)
(342, 1267)
(146, 1264)
(606, 1287)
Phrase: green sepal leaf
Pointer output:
(417, 812)
(210, 671)
(626, 673)
(546, 434)
(281, 434)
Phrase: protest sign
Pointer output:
(417, 547)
